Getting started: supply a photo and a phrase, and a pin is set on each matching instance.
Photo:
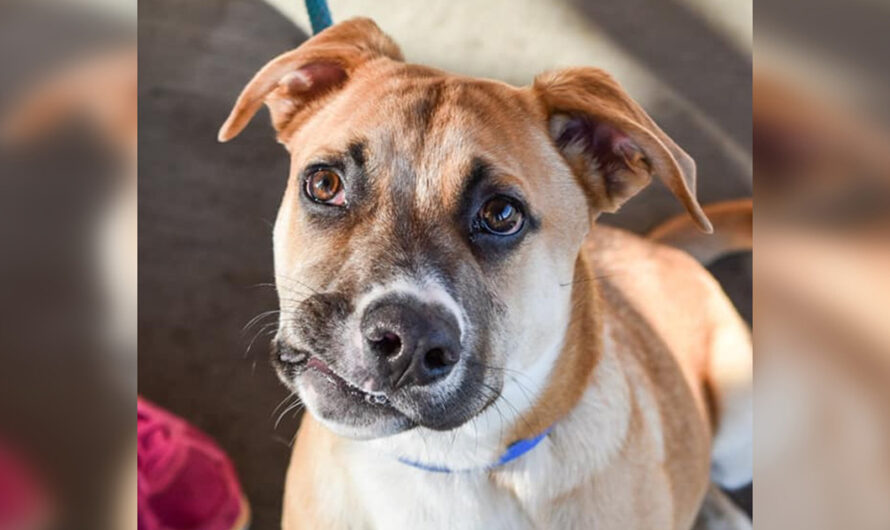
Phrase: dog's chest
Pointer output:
(577, 477)
(403, 497)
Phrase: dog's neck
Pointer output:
(581, 350)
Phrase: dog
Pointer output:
(472, 350)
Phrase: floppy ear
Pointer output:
(299, 80)
(611, 143)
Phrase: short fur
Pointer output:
(629, 350)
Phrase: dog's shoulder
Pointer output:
(666, 287)
(656, 310)
(651, 276)
(664, 295)
(613, 250)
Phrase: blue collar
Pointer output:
(514, 451)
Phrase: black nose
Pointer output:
(417, 343)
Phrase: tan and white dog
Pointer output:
(471, 353)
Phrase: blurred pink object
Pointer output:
(24, 503)
(185, 480)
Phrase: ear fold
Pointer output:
(293, 82)
(610, 141)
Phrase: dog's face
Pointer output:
(426, 243)
(428, 233)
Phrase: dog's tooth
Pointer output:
(376, 399)
(292, 356)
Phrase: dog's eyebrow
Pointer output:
(356, 151)
(479, 171)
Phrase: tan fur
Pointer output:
(628, 394)
(661, 348)
(657, 487)
(733, 231)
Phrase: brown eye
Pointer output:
(501, 216)
(325, 186)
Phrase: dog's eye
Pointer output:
(326, 187)
(501, 216)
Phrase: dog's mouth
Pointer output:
(327, 373)
(295, 362)
(363, 413)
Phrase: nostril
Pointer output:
(437, 360)
(388, 344)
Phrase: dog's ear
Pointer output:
(299, 80)
(610, 142)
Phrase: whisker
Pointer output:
(257, 319)
(295, 407)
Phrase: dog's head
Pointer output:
(427, 239)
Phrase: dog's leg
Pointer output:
(730, 381)
(719, 513)
(730, 367)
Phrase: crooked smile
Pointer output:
(293, 364)
(314, 364)
(339, 400)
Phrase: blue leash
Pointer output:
(319, 14)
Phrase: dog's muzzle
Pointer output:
(416, 343)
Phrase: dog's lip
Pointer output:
(306, 364)
(289, 355)
(321, 366)
(302, 360)
(325, 370)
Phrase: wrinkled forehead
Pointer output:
(420, 128)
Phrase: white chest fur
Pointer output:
(519, 495)
(399, 496)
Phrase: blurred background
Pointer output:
(67, 264)
(822, 346)
(206, 209)
(68, 223)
